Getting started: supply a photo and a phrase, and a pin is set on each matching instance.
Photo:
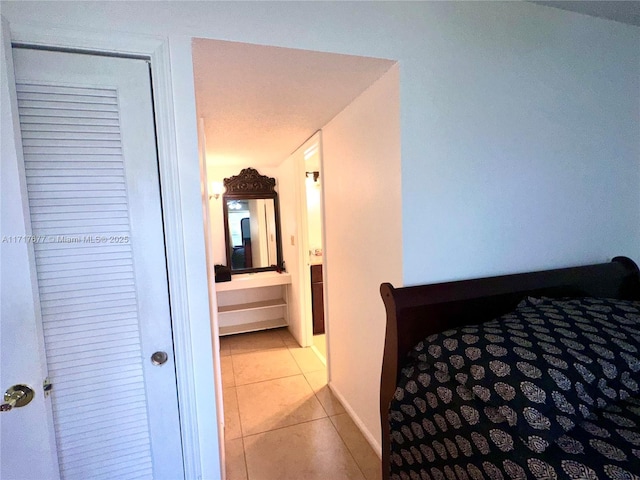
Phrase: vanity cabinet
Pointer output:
(253, 302)
(317, 299)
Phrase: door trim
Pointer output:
(198, 428)
(24, 284)
(306, 306)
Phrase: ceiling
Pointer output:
(624, 11)
(260, 103)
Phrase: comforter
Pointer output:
(548, 391)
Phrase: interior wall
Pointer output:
(524, 150)
(196, 289)
(289, 225)
(363, 233)
(211, 288)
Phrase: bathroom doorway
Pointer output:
(308, 158)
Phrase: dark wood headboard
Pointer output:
(414, 313)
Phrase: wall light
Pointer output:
(313, 175)
(215, 190)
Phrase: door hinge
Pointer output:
(47, 386)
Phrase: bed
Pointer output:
(532, 375)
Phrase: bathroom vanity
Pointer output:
(256, 298)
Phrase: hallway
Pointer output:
(281, 420)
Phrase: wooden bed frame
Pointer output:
(413, 313)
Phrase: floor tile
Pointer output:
(225, 347)
(234, 460)
(287, 338)
(309, 451)
(250, 342)
(226, 367)
(263, 365)
(232, 428)
(277, 403)
(318, 382)
(364, 455)
(307, 359)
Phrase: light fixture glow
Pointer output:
(215, 189)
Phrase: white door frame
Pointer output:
(193, 354)
(303, 236)
(20, 313)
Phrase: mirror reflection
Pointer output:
(251, 223)
(252, 231)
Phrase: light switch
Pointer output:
(293, 240)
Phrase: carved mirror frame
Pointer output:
(250, 184)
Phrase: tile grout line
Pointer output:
(353, 455)
(244, 456)
(295, 425)
(316, 395)
(270, 379)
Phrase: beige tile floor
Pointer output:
(281, 420)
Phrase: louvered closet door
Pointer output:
(92, 180)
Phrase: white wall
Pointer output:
(290, 200)
(196, 289)
(519, 122)
(213, 299)
(525, 151)
(363, 212)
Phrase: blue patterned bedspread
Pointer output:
(548, 391)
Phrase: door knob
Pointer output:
(16, 396)
(158, 358)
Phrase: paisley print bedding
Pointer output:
(548, 391)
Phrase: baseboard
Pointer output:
(351, 412)
(319, 355)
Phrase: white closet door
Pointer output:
(92, 181)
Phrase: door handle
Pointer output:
(16, 396)
(159, 358)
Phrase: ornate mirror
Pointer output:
(251, 223)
